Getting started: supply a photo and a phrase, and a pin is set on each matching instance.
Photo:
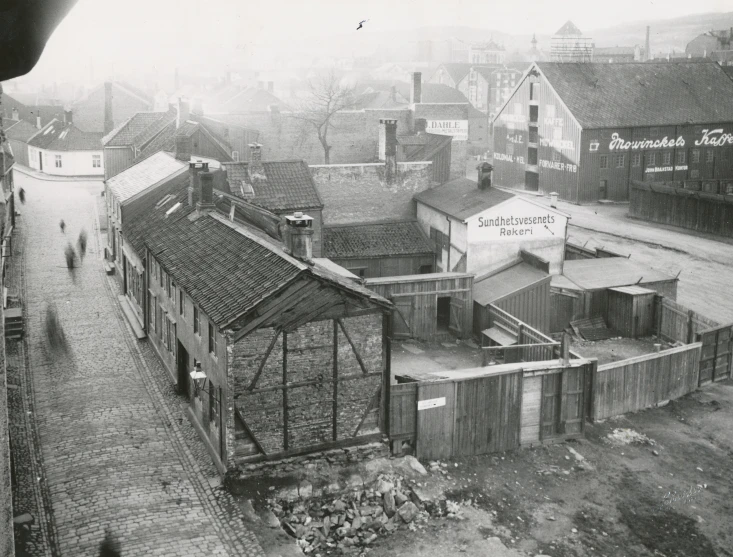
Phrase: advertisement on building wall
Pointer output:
(707, 137)
(515, 221)
(458, 129)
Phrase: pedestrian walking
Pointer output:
(109, 547)
(21, 195)
(82, 243)
(62, 226)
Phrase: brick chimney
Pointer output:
(421, 125)
(16, 116)
(416, 90)
(255, 169)
(299, 236)
(68, 117)
(182, 112)
(194, 193)
(38, 122)
(393, 94)
(647, 53)
(184, 148)
(484, 175)
(205, 197)
(388, 147)
(109, 122)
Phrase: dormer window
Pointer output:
(247, 189)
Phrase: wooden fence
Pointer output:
(716, 359)
(642, 382)
(676, 323)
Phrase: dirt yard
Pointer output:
(668, 496)
(414, 357)
(616, 349)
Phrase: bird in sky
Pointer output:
(361, 23)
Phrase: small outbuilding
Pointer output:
(631, 311)
(430, 307)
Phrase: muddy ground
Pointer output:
(616, 349)
(672, 497)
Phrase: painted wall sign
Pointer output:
(716, 138)
(666, 168)
(458, 129)
(516, 221)
(553, 121)
(555, 165)
(618, 143)
(559, 144)
(430, 403)
(519, 138)
(508, 158)
(516, 118)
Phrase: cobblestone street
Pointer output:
(116, 448)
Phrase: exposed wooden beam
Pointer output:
(251, 386)
(334, 410)
(353, 347)
(285, 390)
(326, 301)
(249, 431)
(366, 412)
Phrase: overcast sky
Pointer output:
(109, 31)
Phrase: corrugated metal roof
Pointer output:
(502, 284)
(143, 175)
(462, 198)
(610, 272)
(642, 94)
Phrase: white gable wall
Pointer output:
(496, 235)
(457, 230)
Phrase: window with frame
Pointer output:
(695, 158)
(196, 321)
(694, 173)
(709, 156)
(213, 404)
(651, 160)
(96, 161)
(681, 158)
(534, 113)
(636, 159)
(604, 161)
(212, 339)
(235, 156)
(152, 304)
(159, 320)
(181, 303)
(57, 161)
(168, 284)
(667, 158)
(620, 161)
(162, 276)
(556, 156)
(167, 335)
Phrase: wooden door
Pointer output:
(550, 408)
(402, 317)
(562, 311)
(435, 415)
(572, 402)
(183, 371)
(457, 313)
(716, 358)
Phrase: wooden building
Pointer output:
(582, 290)
(379, 249)
(519, 289)
(431, 307)
(586, 131)
(277, 355)
(631, 311)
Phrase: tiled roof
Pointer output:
(728, 70)
(143, 175)
(461, 198)
(124, 134)
(288, 185)
(154, 128)
(642, 94)
(20, 130)
(166, 139)
(57, 136)
(30, 112)
(375, 240)
(569, 29)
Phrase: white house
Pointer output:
(479, 229)
(61, 149)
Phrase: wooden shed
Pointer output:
(430, 307)
(631, 311)
(521, 290)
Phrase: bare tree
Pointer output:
(328, 96)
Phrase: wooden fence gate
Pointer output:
(435, 419)
(716, 358)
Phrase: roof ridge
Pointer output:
(374, 223)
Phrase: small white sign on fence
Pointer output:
(430, 403)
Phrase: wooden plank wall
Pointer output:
(564, 308)
(631, 315)
(716, 359)
(638, 383)
(673, 322)
(530, 305)
(529, 335)
(531, 403)
(402, 410)
(435, 426)
(676, 206)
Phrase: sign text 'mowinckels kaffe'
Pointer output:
(713, 138)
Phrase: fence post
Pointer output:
(520, 334)
(590, 385)
(659, 313)
(690, 331)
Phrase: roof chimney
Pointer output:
(16, 116)
(647, 54)
(421, 125)
(194, 168)
(205, 197)
(299, 236)
(182, 112)
(184, 148)
(388, 147)
(416, 91)
(109, 122)
(255, 169)
(38, 122)
(68, 118)
(484, 175)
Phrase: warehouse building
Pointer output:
(586, 131)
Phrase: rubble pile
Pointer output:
(350, 523)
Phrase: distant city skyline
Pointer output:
(156, 34)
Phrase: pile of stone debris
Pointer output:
(347, 524)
